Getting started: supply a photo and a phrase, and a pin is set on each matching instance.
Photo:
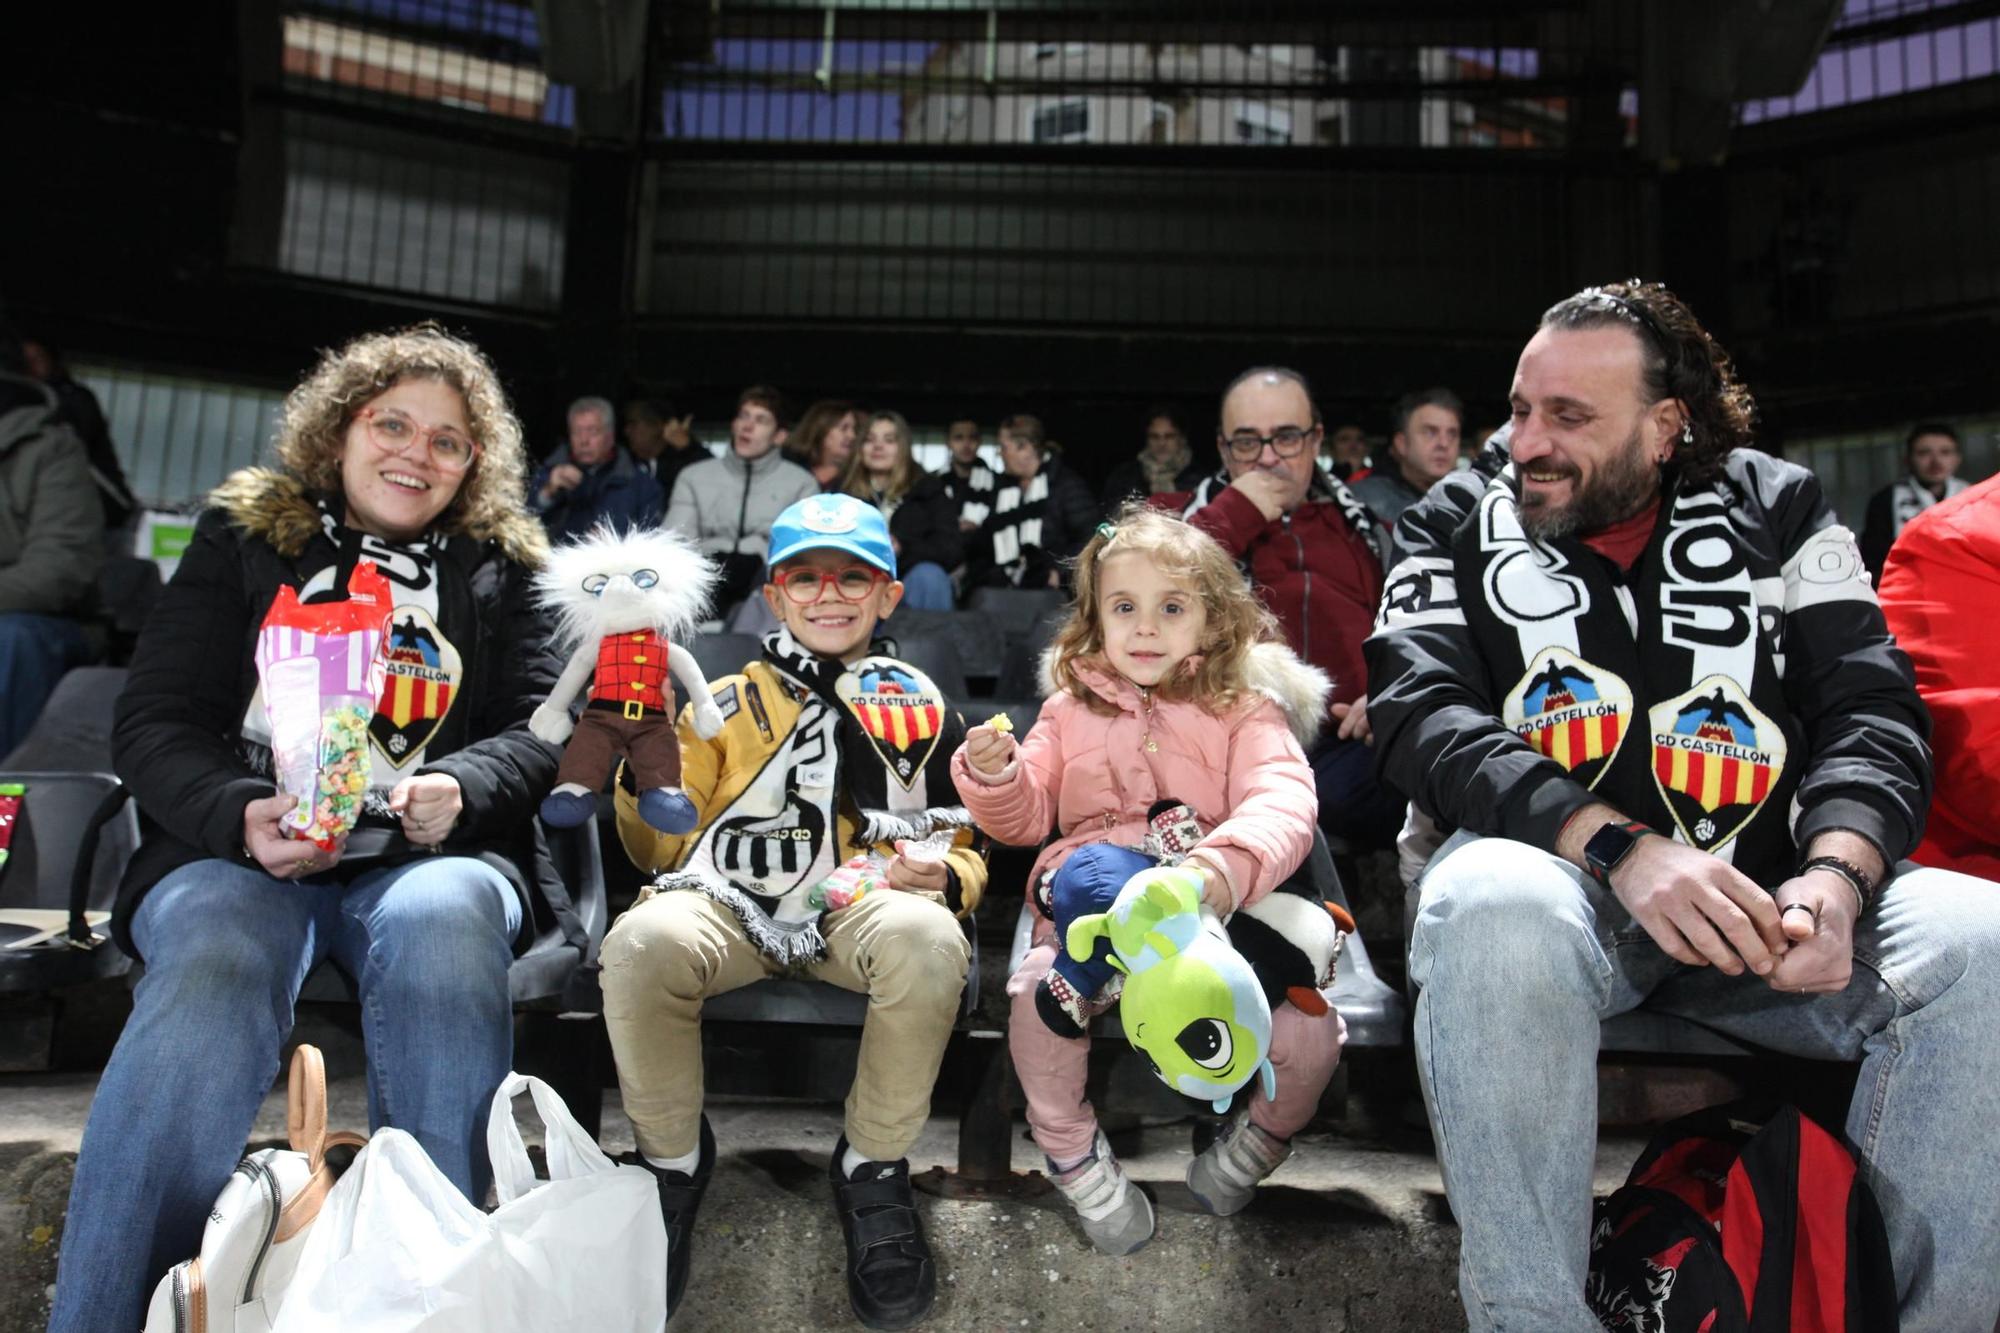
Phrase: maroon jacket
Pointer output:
(1316, 568)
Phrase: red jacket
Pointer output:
(1315, 568)
(1939, 588)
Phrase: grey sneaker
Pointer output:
(1224, 1178)
(1116, 1215)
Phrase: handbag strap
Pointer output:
(305, 1126)
(305, 1104)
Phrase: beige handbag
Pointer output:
(251, 1244)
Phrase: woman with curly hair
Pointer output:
(923, 520)
(400, 449)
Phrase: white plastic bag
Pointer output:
(398, 1248)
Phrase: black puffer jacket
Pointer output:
(925, 526)
(177, 739)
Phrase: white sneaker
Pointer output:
(1116, 1214)
(1224, 1178)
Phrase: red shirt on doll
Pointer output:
(632, 668)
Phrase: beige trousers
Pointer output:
(905, 952)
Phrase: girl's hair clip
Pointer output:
(1106, 531)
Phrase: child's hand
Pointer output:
(915, 876)
(989, 751)
(1354, 721)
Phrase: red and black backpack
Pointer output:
(1733, 1222)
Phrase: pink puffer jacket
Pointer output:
(1092, 775)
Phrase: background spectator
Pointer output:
(51, 544)
(78, 408)
(1042, 514)
(726, 505)
(591, 480)
(1164, 466)
(825, 441)
(1307, 547)
(662, 445)
(1423, 451)
(1941, 575)
(968, 481)
(1930, 466)
(923, 522)
(1345, 452)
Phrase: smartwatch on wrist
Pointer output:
(1610, 845)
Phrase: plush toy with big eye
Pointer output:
(623, 600)
(1191, 1004)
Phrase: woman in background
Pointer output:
(923, 520)
(824, 441)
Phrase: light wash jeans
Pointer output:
(1520, 956)
(226, 949)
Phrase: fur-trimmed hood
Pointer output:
(1273, 670)
(277, 508)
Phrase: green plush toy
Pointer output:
(1191, 1004)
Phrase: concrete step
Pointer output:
(1351, 1234)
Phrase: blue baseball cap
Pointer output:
(833, 523)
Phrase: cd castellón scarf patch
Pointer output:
(1660, 688)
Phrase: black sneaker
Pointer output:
(891, 1278)
(680, 1199)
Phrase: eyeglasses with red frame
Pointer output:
(805, 585)
(392, 431)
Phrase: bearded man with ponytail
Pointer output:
(1635, 668)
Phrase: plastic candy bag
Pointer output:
(929, 850)
(848, 884)
(321, 668)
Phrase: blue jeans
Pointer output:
(926, 587)
(227, 948)
(1520, 957)
(35, 651)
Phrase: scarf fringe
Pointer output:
(789, 944)
(887, 826)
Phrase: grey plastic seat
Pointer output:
(73, 732)
(1015, 610)
(72, 838)
(937, 657)
(980, 640)
(724, 654)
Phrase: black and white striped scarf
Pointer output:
(762, 856)
(1016, 524)
(1910, 497)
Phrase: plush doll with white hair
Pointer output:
(622, 601)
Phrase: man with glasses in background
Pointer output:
(1310, 549)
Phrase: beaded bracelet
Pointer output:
(1847, 870)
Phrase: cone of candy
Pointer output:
(321, 668)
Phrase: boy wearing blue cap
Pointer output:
(828, 751)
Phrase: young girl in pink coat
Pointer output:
(1171, 689)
